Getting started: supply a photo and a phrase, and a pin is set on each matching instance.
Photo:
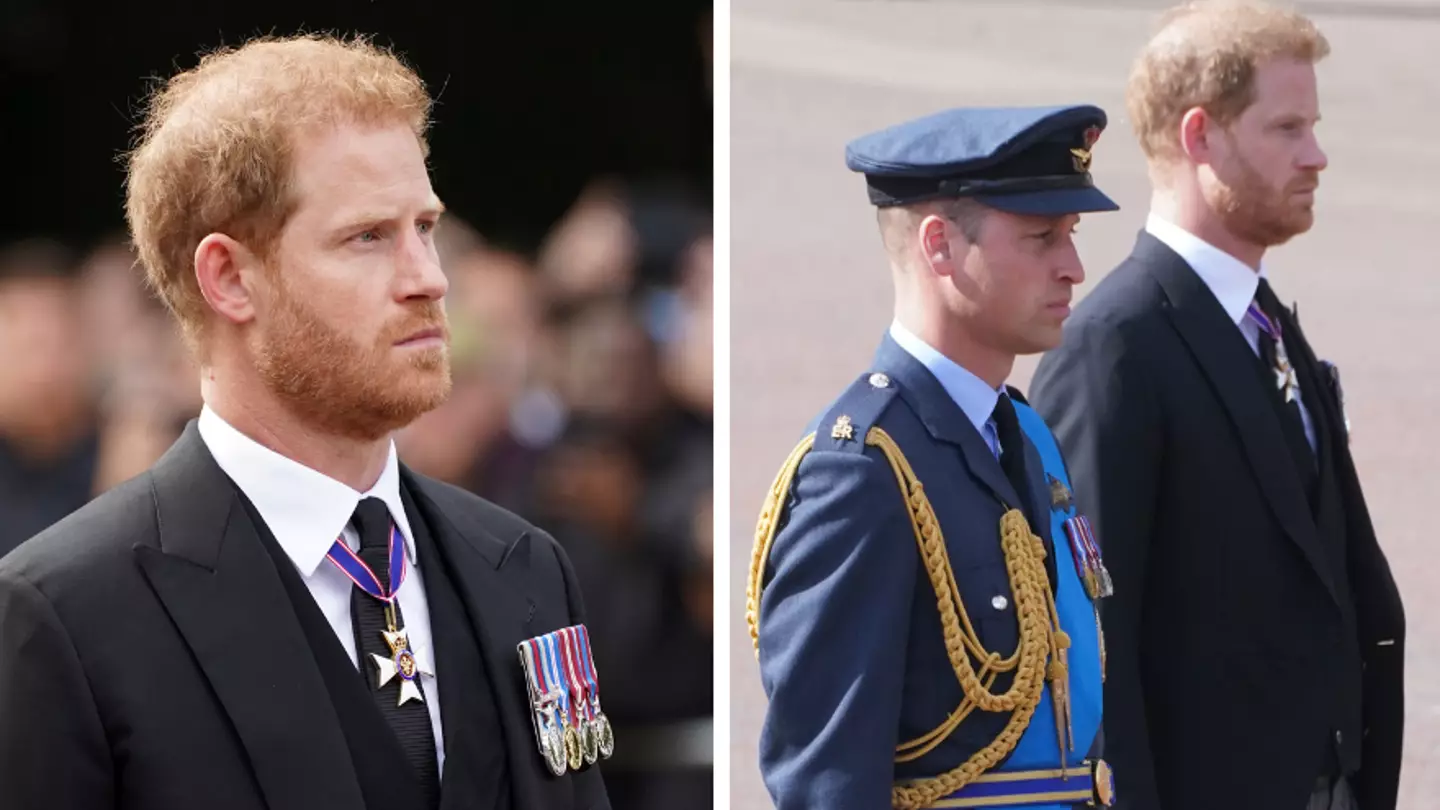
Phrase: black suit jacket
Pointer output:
(150, 657)
(1256, 636)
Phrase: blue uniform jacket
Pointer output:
(850, 646)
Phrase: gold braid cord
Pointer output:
(1040, 634)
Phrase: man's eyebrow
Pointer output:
(433, 209)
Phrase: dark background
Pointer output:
(531, 103)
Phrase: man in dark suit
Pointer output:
(1256, 636)
(920, 594)
(279, 614)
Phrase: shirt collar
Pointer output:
(305, 509)
(1231, 281)
(974, 396)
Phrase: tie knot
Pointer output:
(1266, 299)
(1004, 414)
(372, 522)
(1007, 429)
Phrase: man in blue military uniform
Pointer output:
(923, 594)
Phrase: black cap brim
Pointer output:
(1051, 202)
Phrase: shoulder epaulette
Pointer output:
(845, 425)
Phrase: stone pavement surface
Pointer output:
(810, 288)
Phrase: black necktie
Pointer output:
(1292, 422)
(1012, 461)
(1012, 455)
(411, 721)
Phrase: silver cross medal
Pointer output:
(1285, 378)
(405, 663)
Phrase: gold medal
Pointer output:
(573, 753)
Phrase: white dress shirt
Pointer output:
(1231, 281)
(974, 396)
(307, 511)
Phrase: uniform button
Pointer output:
(999, 603)
(1339, 738)
(879, 380)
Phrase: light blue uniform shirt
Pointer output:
(974, 396)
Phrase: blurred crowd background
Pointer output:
(576, 165)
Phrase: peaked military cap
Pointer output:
(1025, 160)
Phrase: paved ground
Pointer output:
(811, 292)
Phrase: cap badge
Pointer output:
(1081, 157)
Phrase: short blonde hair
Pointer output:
(215, 147)
(1205, 55)
(898, 223)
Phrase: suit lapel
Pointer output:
(1330, 442)
(225, 597)
(1225, 359)
(490, 574)
(943, 418)
(462, 784)
(466, 725)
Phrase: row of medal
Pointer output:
(1087, 558)
(570, 729)
(1083, 548)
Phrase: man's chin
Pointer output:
(1292, 228)
(421, 392)
(405, 394)
(383, 418)
(434, 358)
(1303, 222)
(1040, 338)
